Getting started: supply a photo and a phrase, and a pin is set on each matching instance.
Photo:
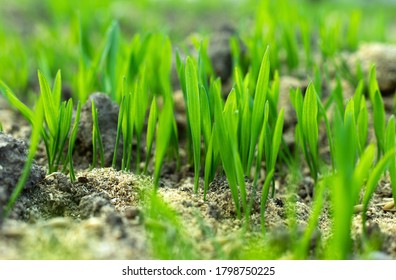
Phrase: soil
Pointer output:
(106, 214)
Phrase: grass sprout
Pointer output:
(194, 115)
(37, 125)
(97, 144)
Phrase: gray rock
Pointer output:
(92, 205)
(107, 119)
(13, 155)
(383, 56)
(219, 52)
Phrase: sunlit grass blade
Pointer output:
(208, 164)
(260, 98)
(152, 120)
(226, 152)
(373, 84)
(362, 125)
(72, 141)
(362, 170)
(37, 125)
(15, 102)
(50, 111)
(276, 138)
(310, 127)
(163, 135)
(119, 131)
(264, 196)
(379, 121)
(372, 182)
(194, 115)
(206, 121)
(390, 137)
(302, 248)
(96, 138)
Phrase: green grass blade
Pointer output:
(372, 182)
(152, 120)
(379, 121)
(310, 126)
(37, 123)
(194, 116)
(14, 101)
(276, 138)
(72, 141)
(362, 126)
(390, 137)
(260, 98)
(96, 138)
(164, 131)
(264, 197)
(50, 109)
(362, 170)
(119, 130)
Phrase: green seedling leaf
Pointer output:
(223, 143)
(372, 182)
(50, 109)
(152, 120)
(276, 139)
(194, 116)
(15, 102)
(362, 126)
(37, 124)
(206, 122)
(362, 170)
(310, 126)
(96, 138)
(72, 141)
(373, 84)
(164, 131)
(379, 121)
(260, 98)
(317, 206)
(390, 137)
(357, 98)
(264, 196)
(119, 130)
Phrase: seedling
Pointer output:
(37, 125)
(96, 138)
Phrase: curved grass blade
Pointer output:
(264, 196)
(37, 123)
(14, 101)
(372, 182)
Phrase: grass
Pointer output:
(237, 132)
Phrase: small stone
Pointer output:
(358, 208)
(59, 222)
(131, 213)
(13, 232)
(383, 56)
(94, 224)
(107, 119)
(389, 206)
